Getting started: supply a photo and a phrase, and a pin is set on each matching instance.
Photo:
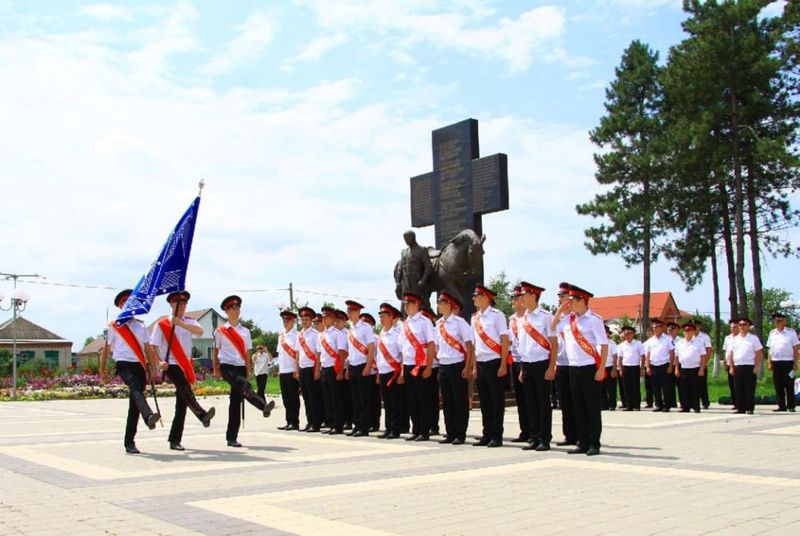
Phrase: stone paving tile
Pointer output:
(62, 468)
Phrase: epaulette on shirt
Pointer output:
(597, 315)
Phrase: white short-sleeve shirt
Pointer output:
(311, 338)
(228, 354)
(119, 347)
(781, 344)
(630, 353)
(495, 325)
(530, 350)
(659, 349)
(744, 348)
(422, 329)
(457, 328)
(592, 328)
(183, 336)
(689, 353)
(286, 363)
(389, 339)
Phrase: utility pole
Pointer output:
(19, 301)
(291, 297)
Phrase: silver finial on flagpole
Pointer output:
(200, 185)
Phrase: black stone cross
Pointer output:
(462, 187)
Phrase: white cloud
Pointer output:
(320, 45)
(775, 9)
(254, 35)
(107, 12)
(596, 85)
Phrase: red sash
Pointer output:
(355, 342)
(130, 339)
(387, 355)
(236, 340)
(337, 366)
(306, 348)
(489, 342)
(581, 340)
(419, 352)
(535, 334)
(286, 348)
(177, 350)
(452, 341)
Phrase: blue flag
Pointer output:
(168, 272)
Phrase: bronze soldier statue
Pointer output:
(413, 272)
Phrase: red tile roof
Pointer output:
(662, 305)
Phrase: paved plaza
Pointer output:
(63, 470)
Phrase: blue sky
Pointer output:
(306, 119)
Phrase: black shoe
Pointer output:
(305, 428)
(778, 409)
(422, 437)
(292, 427)
(665, 410)
(649, 406)
(374, 429)
(412, 438)
(749, 411)
(657, 409)
(131, 449)
(494, 443)
(176, 446)
(543, 447)
(637, 409)
(352, 432)
(459, 441)
(593, 451)
(685, 410)
(284, 427)
(481, 442)
(268, 408)
(312, 430)
(361, 433)
(348, 426)
(393, 435)
(521, 439)
(577, 450)
(738, 412)
(235, 444)
(152, 420)
(565, 443)
(627, 409)
(705, 406)
(434, 431)
(792, 410)
(696, 411)
(532, 444)
(207, 416)
(446, 440)
(336, 431)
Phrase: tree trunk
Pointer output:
(738, 194)
(755, 251)
(727, 237)
(717, 322)
(646, 259)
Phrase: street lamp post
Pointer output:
(19, 301)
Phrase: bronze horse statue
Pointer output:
(456, 267)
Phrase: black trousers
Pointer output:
(332, 399)
(745, 381)
(568, 427)
(609, 391)
(417, 398)
(522, 405)
(184, 397)
(392, 403)
(312, 397)
(347, 403)
(434, 398)
(537, 397)
(648, 390)
(359, 397)
(660, 382)
(455, 402)
(784, 385)
(689, 384)
(491, 391)
(621, 386)
(633, 393)
(134, 377)
(373, 386)
(290, 394)
(586, 400)
(241, 390)
(703, 381)
(261, 383)
(731, 385)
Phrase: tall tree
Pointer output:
(630, 164)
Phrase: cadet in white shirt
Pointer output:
(538, 348)
(690, 354)
(333, 355)
(584, 332)
(673, 330)
(127, 346)
(389, 368)
(745, 355)
(432, 383)
(172, 338)
(309, 348)
(289, 371)
(568, 426)
(703, 337)
(231, 361)
(726, 346)
(514, 325)
(418, 349)
(361, 356)
(261, 359)
(659, 358)
(373, 385)
(631, 355)
(609, 388)
(455, 348)
(491, 363)
(784, 348)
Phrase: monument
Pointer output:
(454, 196)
